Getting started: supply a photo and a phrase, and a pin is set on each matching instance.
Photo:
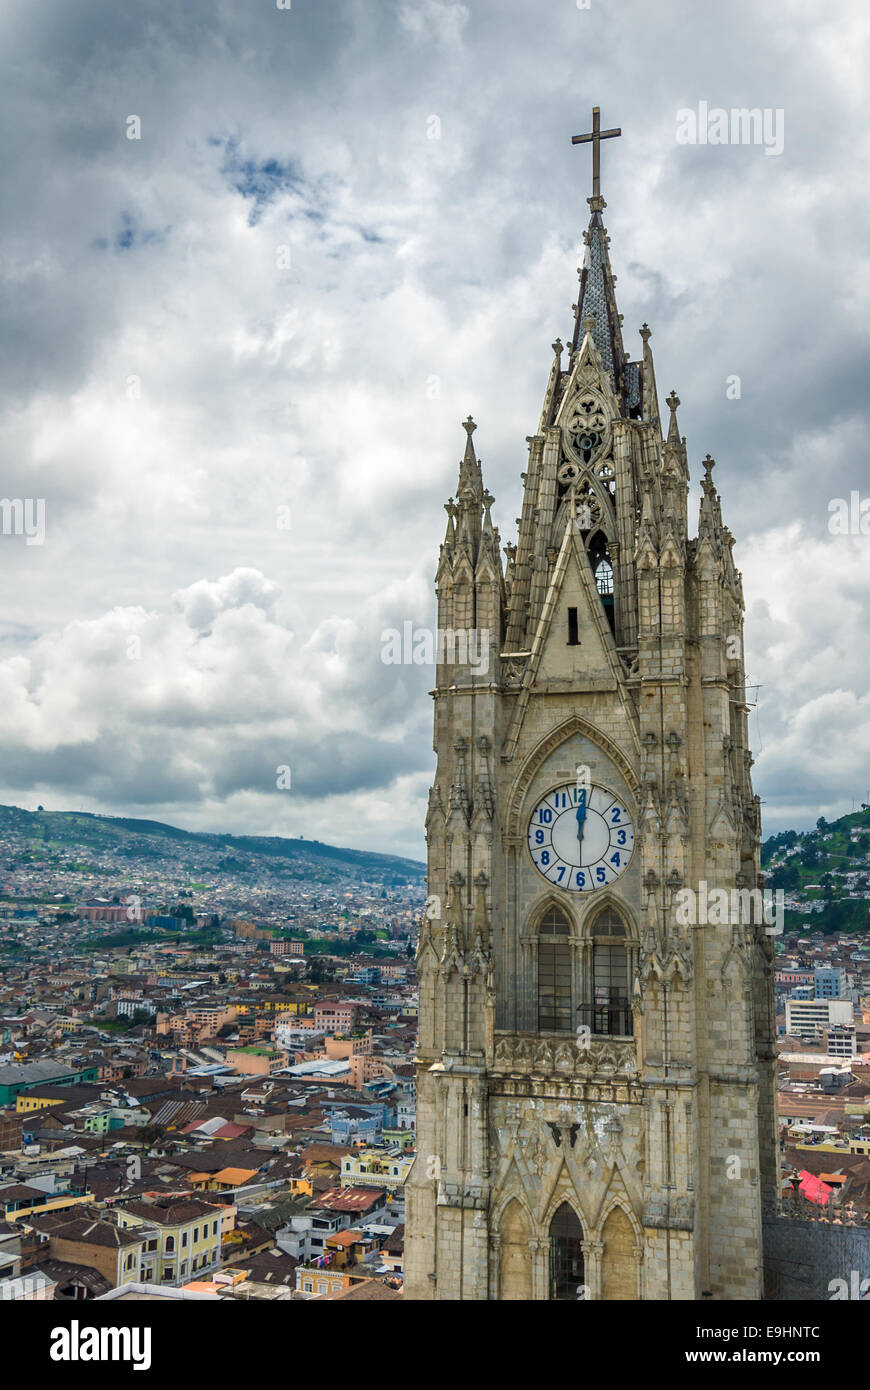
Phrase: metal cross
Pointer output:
(596, 137)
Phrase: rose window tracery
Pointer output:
(587, 428)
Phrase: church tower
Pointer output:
(596, 1059)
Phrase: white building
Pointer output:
(805, 1018)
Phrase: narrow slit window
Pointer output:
(573, 639)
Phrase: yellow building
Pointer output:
(229, 1178)
(376, 1168)
(315, 1281)
(274, 1006)
(182, 1237)
(28, 1101)
(18, 1201)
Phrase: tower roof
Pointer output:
(470, 477)
(596, 312)
(597, 299)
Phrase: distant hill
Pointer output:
(42, 834)
(826, 869)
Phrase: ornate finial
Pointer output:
(557, 347)
(588, 323)
(469, 426)
(645, 333)
(673, 400)
(707, 485)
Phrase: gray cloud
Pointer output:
(281, 301)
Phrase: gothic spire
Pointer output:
(710, 518)
(649, 393)
(470, 477)
(672, 403)
(675, 446)
(597, 298)
(470, 575)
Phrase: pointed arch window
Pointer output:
(604, 577)
(555, 970)
(602, 568)
(567, 1272)
(609, 1010)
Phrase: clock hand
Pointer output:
(581, 815)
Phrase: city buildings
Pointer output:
(180, 1096)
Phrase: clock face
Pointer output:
(580, 839)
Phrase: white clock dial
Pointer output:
(581, 839)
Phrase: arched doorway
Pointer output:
(566, 1255)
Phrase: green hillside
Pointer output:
(46, 835)
(826, 869)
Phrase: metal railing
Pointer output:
(612, 1019)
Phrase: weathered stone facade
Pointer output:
(630, 1147)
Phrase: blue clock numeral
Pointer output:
(545, 857)
(615, 859)
(539, 837)
(620, 837)
(561, 872)
(580, 880)
(545, 815)
(615, 816)
(601, 874)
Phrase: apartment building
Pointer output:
(805, 1018)
(180, 1237)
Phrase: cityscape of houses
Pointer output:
(207, 1066)
(206, 1077)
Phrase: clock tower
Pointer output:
(596, 1059)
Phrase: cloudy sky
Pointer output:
(236, 352)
